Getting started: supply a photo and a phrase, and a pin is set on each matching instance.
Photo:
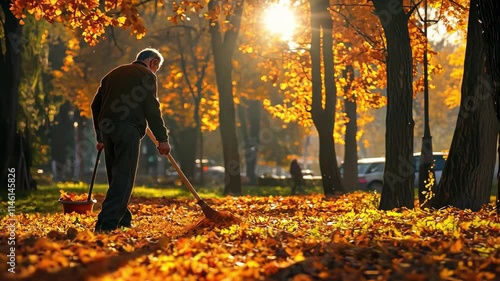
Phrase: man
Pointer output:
(124, 105)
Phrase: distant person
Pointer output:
(124, 105)
(297, 177)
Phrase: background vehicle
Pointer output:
(371, 173)
(371, 170)
(285, 179)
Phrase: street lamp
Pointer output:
(76, 172)
(426, 166)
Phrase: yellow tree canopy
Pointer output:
(89, 16)
(180, 80)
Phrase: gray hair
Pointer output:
(149, 53)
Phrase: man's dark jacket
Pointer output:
(128, 94)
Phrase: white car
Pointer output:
(371, 170)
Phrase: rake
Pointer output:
(210, 213)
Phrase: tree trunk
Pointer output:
(397, 190)
(323, 115)
(250, 126)
(351, 147)
(61, 139)
(10, 62)
(186, 141)
(467, 176)
(488, 14)
(223, 49)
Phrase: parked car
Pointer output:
(214, 175)
(371, 170)
(285, 179)
(371, 173)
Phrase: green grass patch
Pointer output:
(44, 200)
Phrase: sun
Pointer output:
(279, 19)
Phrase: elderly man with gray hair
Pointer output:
(125, 104)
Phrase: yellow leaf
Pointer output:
(465, 225)
(445, 273)
(299, 257)
(253, 264)
(121, 20)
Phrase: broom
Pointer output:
(218, 217)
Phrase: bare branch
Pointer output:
(115, 42)
(459, 5)
(412, 9)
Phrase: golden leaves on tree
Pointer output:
(89, 16)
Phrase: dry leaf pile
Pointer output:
(69, 196)
(279, 238)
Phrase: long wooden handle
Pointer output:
(183, 177)
(93, 175)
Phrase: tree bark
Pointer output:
(350, 177)
(10, 74)
(186, 141)
(250, 116)
(488, 14)
(397, 190)
(468, 173)
(324, 94)
(223, 49)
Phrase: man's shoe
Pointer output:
(126, 225)
(103, 231)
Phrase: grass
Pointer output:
(44, 199)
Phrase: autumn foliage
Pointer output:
(301, 237)
(70, 196)
(89, 16)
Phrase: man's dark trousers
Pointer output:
(121, 149)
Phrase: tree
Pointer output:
(289, 70)
(324, 93)
(14, 147)
(249, 112)
(189, 77)
(10, 73)
(488, 15)
(467, 184)
(397, 190)
(350, 176)
(223, 45)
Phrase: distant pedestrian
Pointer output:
(297, 177)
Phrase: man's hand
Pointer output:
(99, 146)
(164, 148)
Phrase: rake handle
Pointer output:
(93, 174)
(183, 177)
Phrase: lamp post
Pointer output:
(426, 163)
(76, 172)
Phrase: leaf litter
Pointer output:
(278, 238)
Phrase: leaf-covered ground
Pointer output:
(280, 238)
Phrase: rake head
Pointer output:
(215, 217)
